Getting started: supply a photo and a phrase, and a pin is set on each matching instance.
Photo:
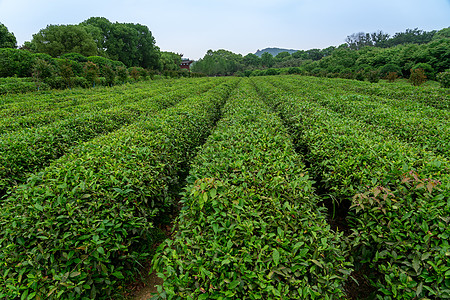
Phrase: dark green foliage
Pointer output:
(57, 40)
(122, 74)
(42, 69)
(272, 72)
(7, 39)
(103, 62)
(110, 75)
(58, 73)
(14, 85)
(170, 61)
(92, 230)
(442, 34)
(220, 62)
(251, 60)
(373, 76)
(267, 60)
(15, 62)
(98, 28)
(132, 44)
(415, 36)
(66, 72)
(417, 77)
(380, 39)
(400, 214)
(386, 69)
(250, 227)
(392, 76)
(444, 79)
(428, 70)
(134, 73)
(282, 56)
(75, 56)
(360, 75)
(294, 70)
(91, 72)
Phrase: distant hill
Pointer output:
(274, 51)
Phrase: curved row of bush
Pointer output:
(19, 105)
(81, 105)
(399, 194)
(29, 150)
(81, 226)
(54, 96)
(18, 62)
(436, 97)
(250, 227)
(16, 85)
(411, 122)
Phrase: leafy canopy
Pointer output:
(57, 40)
(7, 39)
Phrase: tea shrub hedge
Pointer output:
(79, 228)
(250, 226)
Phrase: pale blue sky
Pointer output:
(241, 26)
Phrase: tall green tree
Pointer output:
(252, 60)
(267, 60)
(99, 28)
(314, 54)
(414, 36)
(220, 62)
(7, 39)
(57, 40)
(442, 34)
(132, 44)
(170, 61)
(282, 56)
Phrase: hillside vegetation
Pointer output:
(287, 187)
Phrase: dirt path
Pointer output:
(148, 289)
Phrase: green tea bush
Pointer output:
(250, 227)
(360, 76)
(122, 74)
(75, 56)
(80, 227)
(401, 225)
(403, 232)
(28, 150)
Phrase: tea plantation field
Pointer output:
(280, 187)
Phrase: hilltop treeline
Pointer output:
(94, 52)
(131, 44)
(362, 54)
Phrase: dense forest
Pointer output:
(363, 55)
(94, 52)
(114, 46)
(126, 44)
